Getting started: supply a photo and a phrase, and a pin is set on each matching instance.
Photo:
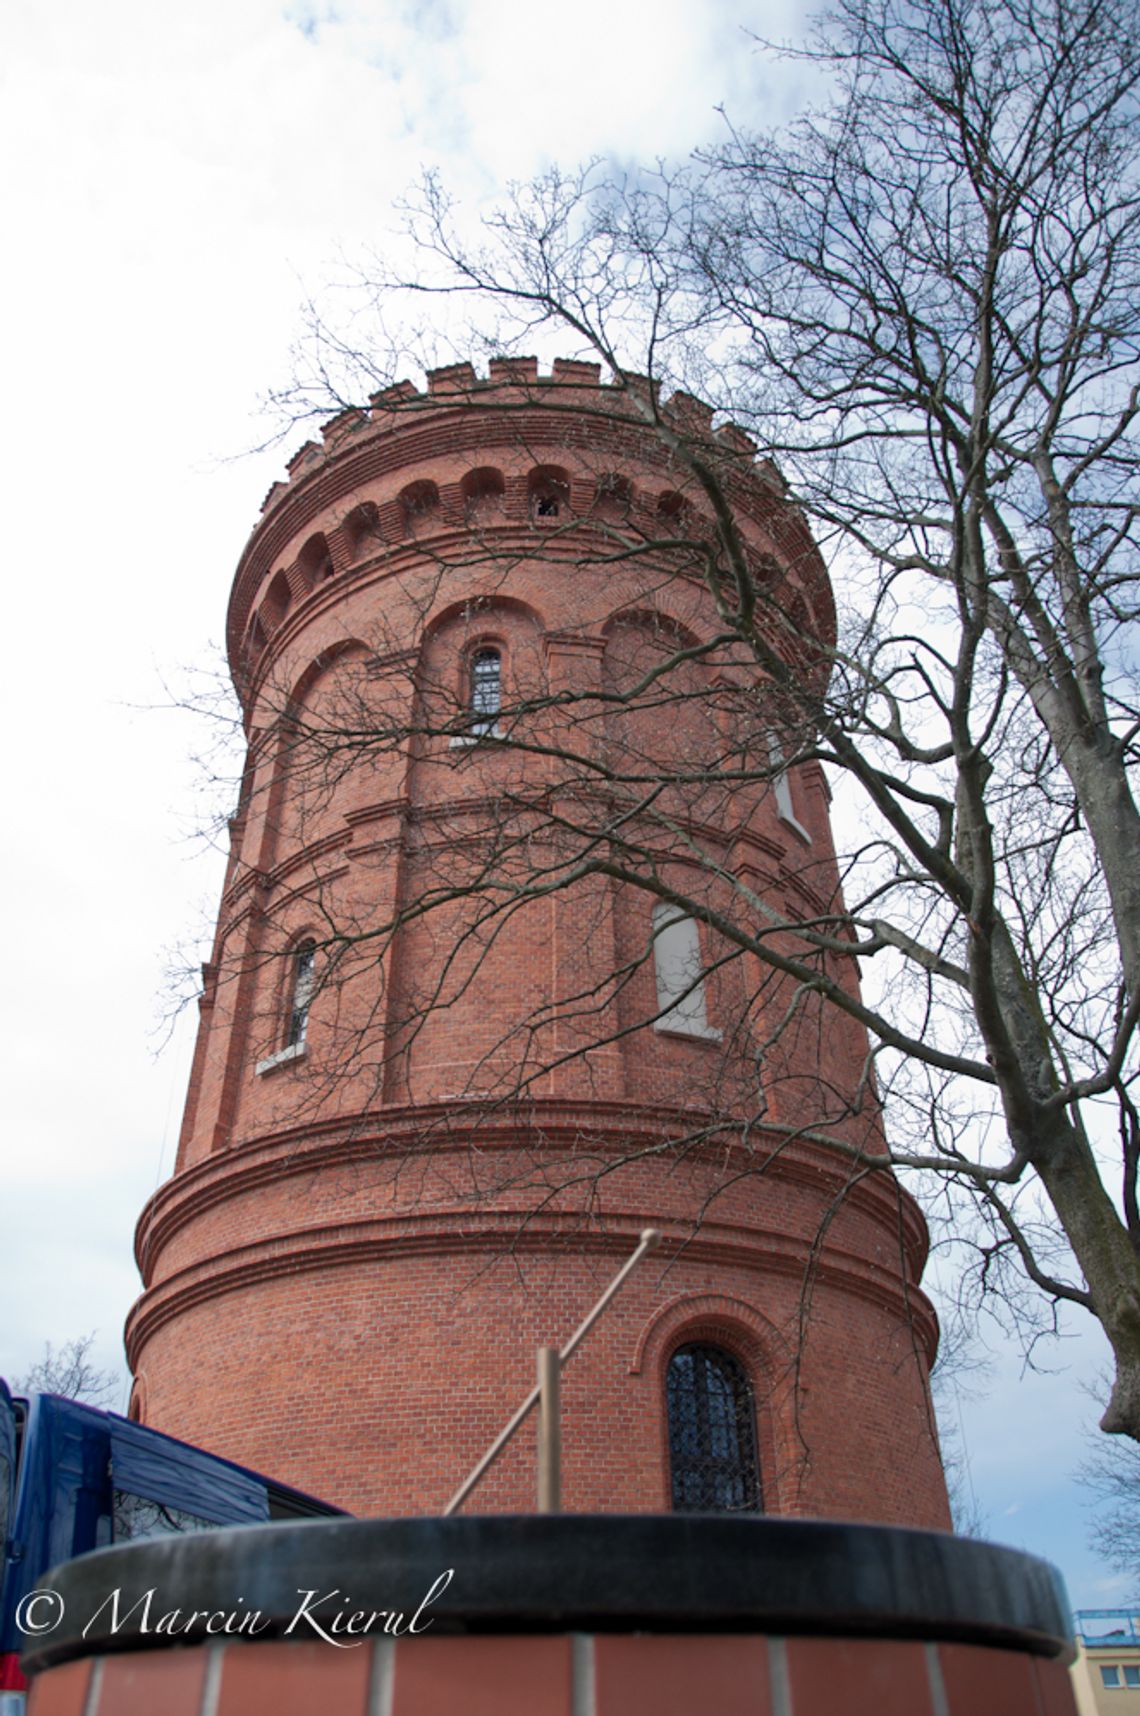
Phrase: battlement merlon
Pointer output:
(403, 424)
(520, 377)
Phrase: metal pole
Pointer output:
(549, 1431)
(650, 1238)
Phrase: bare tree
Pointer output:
(1111, 1477)
(923, 301)
(69, 1370)
(960, 1374)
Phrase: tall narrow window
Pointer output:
(304, 971)
(486, 690)
(680, 985)
(782, 787)
(712, 1433)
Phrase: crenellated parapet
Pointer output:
(573, 456)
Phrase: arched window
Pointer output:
(712, 1433)
(486, 695)
(304, 973)
(677, 963)
(315, 560)
(419, 503)
(362, 530)
(483, 490)
(613, 497)
(254, 643)
(278, 599)
(548, 492)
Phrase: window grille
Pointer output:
(486, 690)
(304, 971)
(712, 1433)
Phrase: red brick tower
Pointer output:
(436, 1096)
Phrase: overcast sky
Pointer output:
(177, 179)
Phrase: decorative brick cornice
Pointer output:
(541, 415)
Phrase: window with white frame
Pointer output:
(680, 980)
(1111, 1676)
(298, 999)
(782, 788)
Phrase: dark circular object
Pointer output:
(693, 1573)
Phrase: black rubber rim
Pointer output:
(574, 1572)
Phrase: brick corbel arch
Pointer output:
(690, 1316)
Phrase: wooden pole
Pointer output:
(549, 1430)
(650, 1239)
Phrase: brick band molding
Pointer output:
(481, 1238)
(598, 1129)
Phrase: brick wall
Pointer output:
(363, 1243)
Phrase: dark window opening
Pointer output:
(548, 493)
(304, 969)
(712, 1433)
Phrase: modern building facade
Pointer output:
(459, 1044)
(1106, 1674)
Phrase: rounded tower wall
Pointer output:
(435, 1050)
